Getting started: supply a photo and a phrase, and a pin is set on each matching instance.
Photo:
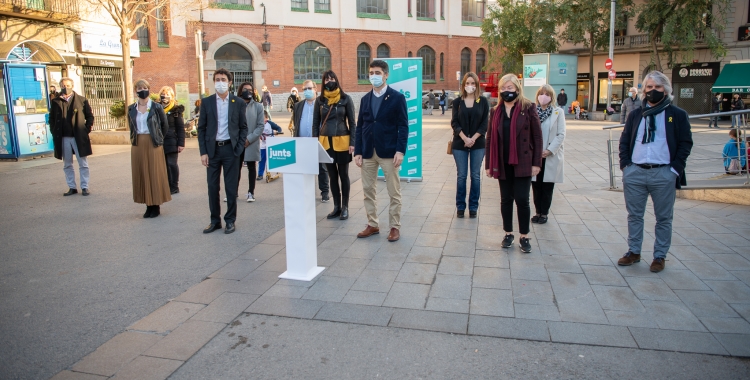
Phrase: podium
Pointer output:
(298, 158)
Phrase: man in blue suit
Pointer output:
(380, 141)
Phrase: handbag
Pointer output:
(734, 166)
(450, 147)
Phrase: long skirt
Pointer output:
(150, 183)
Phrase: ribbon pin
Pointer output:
(670, 119)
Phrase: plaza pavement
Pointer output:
(449, 275)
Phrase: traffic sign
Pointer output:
(612, 74)
(608, 64)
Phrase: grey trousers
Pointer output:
(638, 184)
(70, 147)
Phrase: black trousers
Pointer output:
(336, 172)
(252, 172)
(173, 171)
(515, 189)
(542, 192)
(323, 184)
(225, 159)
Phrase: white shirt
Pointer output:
(222, 111)
(656, 152)
(141, 120)
(379, 94)
(267, 132)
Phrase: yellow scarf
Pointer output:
(340, 143)
(333, 96)
(169, 106)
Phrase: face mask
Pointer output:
(221, 87)
(376, 80)
(309, 94)
(331, 86)
(470, 89)
(166, 99)
(654, 96)
(543, 99)
(247, 95)
(64, 91)
(143, 94)
(509, 96)
(630, 94)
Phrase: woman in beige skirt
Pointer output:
(148, 126)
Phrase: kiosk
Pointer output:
(298, 159)
(24, 128)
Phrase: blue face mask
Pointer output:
(376, 80)
(309, 94)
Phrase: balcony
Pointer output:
(643, 41)
(55, 11)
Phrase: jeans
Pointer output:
(515, 189)
(463, 157)
(714, 120)
(737, 120)
(262, 164)
(70, 148)
(442, 107)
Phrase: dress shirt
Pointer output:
(141, 120)
(305, 123)
(379, 94)
(222, 113)
(654, 153)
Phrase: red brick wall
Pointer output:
(167, 65)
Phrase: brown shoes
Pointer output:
(369, 231)
(630, 258)
(657, 265)
(394, 235)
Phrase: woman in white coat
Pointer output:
(553, 136)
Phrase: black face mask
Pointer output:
(143, 94)
(163, 99)
(654, 96)
(247, 95)
(64, 91)
(509, 96)
(332, 86)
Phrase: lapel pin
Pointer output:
(232, 100)
(670, 119)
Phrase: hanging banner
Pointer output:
(405, 76)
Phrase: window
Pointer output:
(428, 63)
(465, 61)
(442, 77)
(142, 33)
(426, 9)
(232, 4)
(322, 5)
(363, 61)
(442, 9)
(299, 5)
(311, 60)
(481, 55)
(409, 54)
(473, 10)
(384, 51)
(237, 60)
(161, 26)
(408, 6)
(372, 6)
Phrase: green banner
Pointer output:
(405, 76)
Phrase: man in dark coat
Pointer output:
(70, 120)
(562, 99)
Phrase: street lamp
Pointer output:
(266, 45)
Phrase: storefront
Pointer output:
(582, 90)
(691, 86)
(734, 78)
(620, 85)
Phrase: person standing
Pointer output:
(469, 122)
(552, 120)
(654, 148)
(174, 139)
(267, 101)
(71, 120)
(270, 129)
(737, 105)
(148, 126)
(304, 114)
(514, 155)
(715, 108)
(629, 104)
(431, 101)
(255, 124)
(222, 132)
(443, 100)
(380, 141)
(53, 92)
(290, 102)
(333, 124)
(562, 98)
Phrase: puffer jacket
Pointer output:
(156, 121)
(340, 122)
(175, 136)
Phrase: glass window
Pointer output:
(142, 32)
(311, 60)
(428, 62)
(473, 10)
(363, 61)
(372, 6)
(323, 5)
(161, 25)
(481, 58)
(425, 8)
(442, 77)
(299, 4)
(465, 61)
(237, 60)
(238, 2)
(442, 8)
(409, 54)
(384, 51)
(408, 6)
(619, 87)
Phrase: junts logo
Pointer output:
(282, 154)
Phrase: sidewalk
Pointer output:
(450, 275)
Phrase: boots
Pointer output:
(336, 208)
(148, 212)
(151, 212)
(345, 209)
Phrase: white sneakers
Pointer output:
(250, 197)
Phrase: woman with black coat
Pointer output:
(334, 125)
(174, 140)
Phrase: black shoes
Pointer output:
(460, 213)
(230, 228)
(147, 214)
(152, 212)
(535, 219)
(335, 213)
(174, 191)
(508, 241)
(85, 192)
(525, 245)
(344, 213)
(472, 214)
(542, 219)
(324, 198)
(212, 228)
(71, 192)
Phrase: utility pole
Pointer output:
(611, 51)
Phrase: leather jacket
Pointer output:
(340, 116)
(156, 121)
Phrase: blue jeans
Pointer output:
(262, 164)
(462, 165)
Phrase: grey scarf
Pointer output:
(649, 113)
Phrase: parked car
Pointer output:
(426, 99)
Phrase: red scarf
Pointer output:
(497, 123)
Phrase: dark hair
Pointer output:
(332, 75)
(733, 133)
(255, 93)
(266, 114)
(379, 63)
(223, 71)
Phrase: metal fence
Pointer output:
(103, 87)
(705, 167)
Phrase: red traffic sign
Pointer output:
(608, 64)
(612, 74)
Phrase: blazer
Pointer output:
(156, 121)
(385, 133)
(254, 116)
(208, 125)
(528, 143)
(81, 118)
(553, 136)
(679, 139)
(297, 115)
(460, 122)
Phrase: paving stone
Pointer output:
(364, 298)
(262, 251)
(735, 344)
(285, 307)
(610, 237)
(524, 270)
(583, 333)
(326, 256)
(533, 292)
(688, 253)
(430, 320)
(682, 280)
(709, 271)
(494, 302)
(617, 298)
(567, 218)
(148, 368)
(417, 273)
(447, 305)
(375, 281)
(571, 230)
(603, 275)
(705, 304)
(257, 282)
(709, 245)
(430, 240)
(277, 263)
(642, 269)
(435, 227)
(742, 309)
(653, 288)
(360, 314)
(493, 278)
(592, 257)
(742, 275)
(167, 317)
(459, 266)
(491, 259)
(554, 247)
(630, 319)
(425, 255)
(114, 354)
(731, 261)
(459, 248)
(461, 235)
(561, 263)
(682, 341)
(206, 291)
(287, 291)
(732, 239)
(185, 340)
(226, 307)
(731, 291)
(409, 296)
(450, 286)
(237, 269)
(329, 288)
(347, 267)
(491, 243)
(70, 375)
(597, 227)
(726, 325)
(387, 261)
(540, 312)
(673, 316)
(511, 328)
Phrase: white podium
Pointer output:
(298, 159)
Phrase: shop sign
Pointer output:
(92, 43)
(703, 72)
(618, 75)
(686, 93)
(583, 75)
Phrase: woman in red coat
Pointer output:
(514, 155)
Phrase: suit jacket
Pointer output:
(80, 116)
(387, 132)
(208, 125)
(679, 139)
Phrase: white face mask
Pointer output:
(221, 87)
(470, 89)
(543, 99)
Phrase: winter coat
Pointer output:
(254, 114)
(628, 105)
(553, 136)
(267, 99)
(175, 136)
(156, 121)
(292, 101)
(81, 118)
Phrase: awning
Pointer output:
(29, 51)
(734, 77)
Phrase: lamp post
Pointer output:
(611, 51)
(201, 45)
(266, 45)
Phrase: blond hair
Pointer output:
(168, 90)
(546, 89)
(463, 85)
(512, 78)
(142, 83)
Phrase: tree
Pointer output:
(514, 28)
(679, 24)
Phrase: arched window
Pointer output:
(384, 51)
(363, 61)
(465, 61)
(480, 58)
(428, 62)
(237, 60)
(311, 60)
(442, 77)
(409, 55)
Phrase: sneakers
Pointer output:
(325, 198)
(657, 265)
(508, 241)
(250, 197)
(259, 178)
(525, 245)
(630, 258)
